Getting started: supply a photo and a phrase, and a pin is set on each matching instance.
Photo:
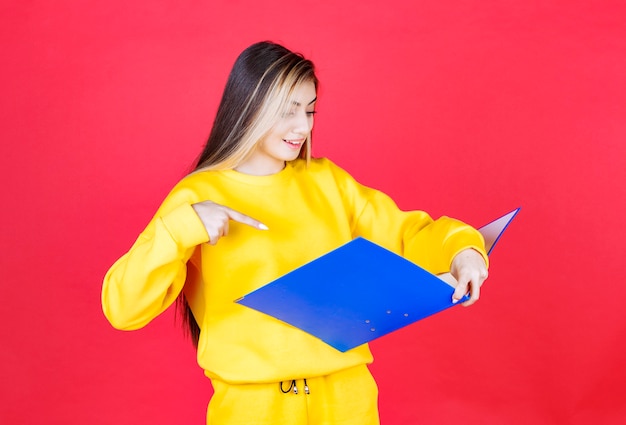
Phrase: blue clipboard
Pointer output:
(359, 292)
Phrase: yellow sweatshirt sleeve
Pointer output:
(148, 278)
(432, 244)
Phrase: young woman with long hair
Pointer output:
(256, 207)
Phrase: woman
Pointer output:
(256, 207)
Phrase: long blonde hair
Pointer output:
(259, 89)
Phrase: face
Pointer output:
(285, 140)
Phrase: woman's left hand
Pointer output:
(470, 271)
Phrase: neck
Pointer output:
(255, 169)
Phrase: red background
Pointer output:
(463, 108)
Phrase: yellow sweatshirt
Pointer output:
(309, 210)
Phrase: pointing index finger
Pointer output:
(242, 218)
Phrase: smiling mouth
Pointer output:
(295, 143)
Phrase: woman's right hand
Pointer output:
(216, 218)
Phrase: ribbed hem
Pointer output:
(462, 240)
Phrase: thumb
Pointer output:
(460, 291)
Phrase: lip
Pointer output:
(294, 143)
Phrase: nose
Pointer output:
(303, 123)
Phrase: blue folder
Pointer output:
(359, 292)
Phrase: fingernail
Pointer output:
(263, 227)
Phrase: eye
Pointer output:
(311, 113)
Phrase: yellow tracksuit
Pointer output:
(310, 210)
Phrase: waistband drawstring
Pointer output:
(293, 387)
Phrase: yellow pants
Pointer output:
(348, 397)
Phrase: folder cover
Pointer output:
(359, 292)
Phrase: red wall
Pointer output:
(464, 108)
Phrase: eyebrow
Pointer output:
(299, 104)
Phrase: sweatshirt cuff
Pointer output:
(462, 240)
(185, 227)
